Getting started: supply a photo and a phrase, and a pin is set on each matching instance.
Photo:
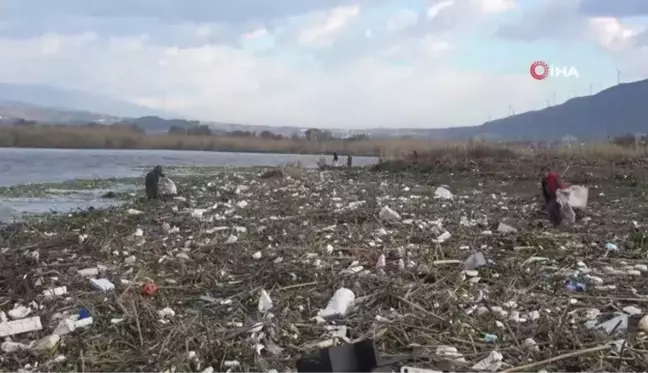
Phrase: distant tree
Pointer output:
(268, 135)
(314, 134)
(177, 130)
(25, 123)
(239, 133)
(201, 130)
(628, 140)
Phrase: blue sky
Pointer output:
(326, 63)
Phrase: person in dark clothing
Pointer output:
(152, 182)
(335, 159)
(349, 160)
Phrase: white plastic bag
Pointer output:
(167, 187)
(567, 212)
(578, 196)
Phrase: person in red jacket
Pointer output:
(550, 184)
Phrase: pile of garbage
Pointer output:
(240, 272)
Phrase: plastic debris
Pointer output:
(10, 347)
(15, 327)
(89, 272)
(475, 261)
(71, 323)
(505, 228)
(388, 214)
(572, 285)
(490, 338)
(381, 262)
(62, 290)
(166, 313)
(265, 302)
(167, 187)
(102, 284)
(46, 344)
(618, 323)
(643, 324)
(491, 363)
(19, 312)
(149, 289)
(443, 193)
(611, 247)
(339, 304)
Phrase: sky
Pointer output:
(327, 63)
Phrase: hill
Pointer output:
(13, 111)
(75, 100)
(615, 111)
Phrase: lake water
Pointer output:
(35, 166)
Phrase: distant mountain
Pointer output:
(67, 99)
(13, 111)
(616, 111)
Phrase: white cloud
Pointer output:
(258, 33)
(437, 8)
(395, 81)
(611, 33)
(494, 6)
(403, 19)
(327, 26)
(228, 84)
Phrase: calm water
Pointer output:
(34, 166)
(22, 166)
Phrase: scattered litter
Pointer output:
(20, 326)
(618, 323)
(491, 363)
(490, 338)
(475, 261)
(102, 284)
(611, 247)
(443, 193)
(643, 324)
(61, 290)
(397, 249)
(265, 302)
(19, 312)
(166, 313)
(46, 344)
(381, 262)
(572, 285)
(388, 214)
(339, 304)
(89, 272)
(149, 289)
(504, 228)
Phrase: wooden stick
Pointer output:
(559, 357)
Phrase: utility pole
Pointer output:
(618, 76)
(591, 89)
(548, 103)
